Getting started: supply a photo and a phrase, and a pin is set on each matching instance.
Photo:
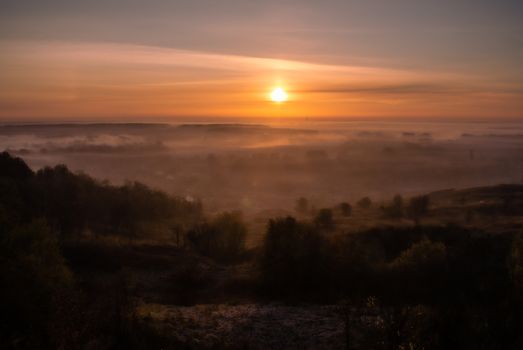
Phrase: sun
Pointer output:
(279, 95)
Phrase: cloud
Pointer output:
(84, 79)
(408, 88)
(444, 87)
(89, 52)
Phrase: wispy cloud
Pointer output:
(393, 89)
(88, 78)
(89, 52)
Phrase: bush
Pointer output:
(34, 278)
(395, 209)
(364, 203)
(324, 220)
(345, 208)
(222, 239)
(418, 207)
(294, 258)
(515, 261)
(419, 273)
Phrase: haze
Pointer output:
(255, 167)
(270, 174)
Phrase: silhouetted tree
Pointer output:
(222, 239)
(14, 167)
(345, 208)
(34, 277)
(420, 272)
(418, 207)
(293, 258)
(515, 261)
(75, 203)
(364, 203)
(324, 219)
(395, 209)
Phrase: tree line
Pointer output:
(427, 286)
(73, 204)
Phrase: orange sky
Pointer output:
(158, 60)
(62, 80)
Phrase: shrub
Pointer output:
(345, 208)
(294, 258)
(419, 272)
(34, 277)
(515, 261)
(222, 239)
(418, 207)
(324, 220)
(395, 209)
(364, 203)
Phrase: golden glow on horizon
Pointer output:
(279, 95)
(60, 80)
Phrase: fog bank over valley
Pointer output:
(255, 167)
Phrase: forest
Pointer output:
(88, 264)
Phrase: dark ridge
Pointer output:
(243, 128)
(13, 167)
(224, 126)
(493, 135)
(502, 191)
(74, 125)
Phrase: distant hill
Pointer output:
(484, 194)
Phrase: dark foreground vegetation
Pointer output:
(79, 258)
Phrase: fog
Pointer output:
(324, 235)
(256, 168)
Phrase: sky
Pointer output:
(154, 60)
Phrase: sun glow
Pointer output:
(279, 95)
